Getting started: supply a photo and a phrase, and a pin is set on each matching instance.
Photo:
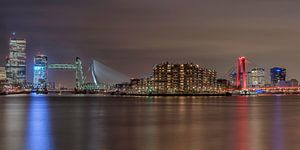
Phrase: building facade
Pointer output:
(257, 77)
(2, 74)
(16, 62)
(278, 75)
(182, 78)
(249, 79)
(232, 79)
(146, 85)
(40, 71)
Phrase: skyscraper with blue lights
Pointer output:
(40, 72)
(277, 74)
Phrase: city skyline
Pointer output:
(30, 78)
(130, 37)
(149, 74)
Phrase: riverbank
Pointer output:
(203, 94)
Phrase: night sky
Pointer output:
(132, 35)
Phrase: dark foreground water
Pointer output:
(141, 123)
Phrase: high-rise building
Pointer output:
(257, 77)
(16, 62)
(40, 71)
(232, 79)
(277, 74)
(182, 78)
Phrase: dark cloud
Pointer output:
(131, 36)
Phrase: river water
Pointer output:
(149, 123)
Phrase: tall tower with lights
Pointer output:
(241, 71)
(16, 61)
(277, 74)
(40, 72)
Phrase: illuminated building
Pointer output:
(182, 78)
(3, 80)
(257, 77)
(134, 84)
(277, 75)
(249, 79)
(2, 74)
(232, 79)
(206, 78)
(143, 85)
(16, 62)
(40, 72)
(146, 85)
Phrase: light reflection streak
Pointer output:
(39, 135)
(277, 126)
(13, 125)
(256, 129)
(242, 130)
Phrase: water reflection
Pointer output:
(12, 122)
(38, 135)
(208, 123)
(242, 131)
(277, 125)
(256, 128)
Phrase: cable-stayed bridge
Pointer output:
(103, 74)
